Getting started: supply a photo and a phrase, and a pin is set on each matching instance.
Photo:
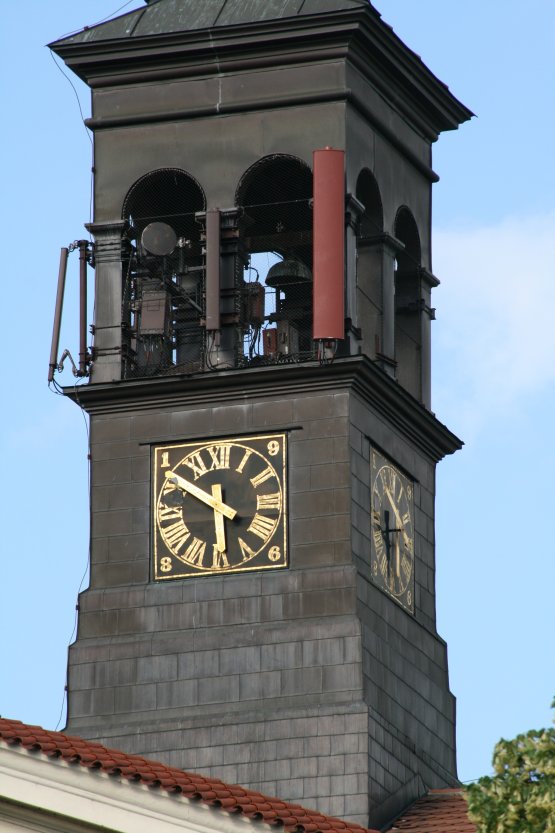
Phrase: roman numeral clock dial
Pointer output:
(219, 506)
(392, 524)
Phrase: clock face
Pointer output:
(392, 560)
(219, 506)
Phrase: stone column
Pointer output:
(353, 335)
(107, 344)
(427, 315)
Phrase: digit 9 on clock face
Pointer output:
(219, 506)
(392, 559)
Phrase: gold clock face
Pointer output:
(219, 506)
(392, 560)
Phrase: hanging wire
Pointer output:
(88, 560)
(98, 22)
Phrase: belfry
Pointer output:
(261, 604)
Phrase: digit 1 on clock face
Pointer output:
(219, 506)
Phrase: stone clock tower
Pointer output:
(261, 603)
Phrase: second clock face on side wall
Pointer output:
(392, 519)
(219, 506)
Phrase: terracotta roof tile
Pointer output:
(440, 811)
(230, 798)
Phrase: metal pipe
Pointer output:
(213, 269)
(83, 355)
(329, 245)
(58, 313)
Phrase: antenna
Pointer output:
(53, 366)
(84, 356)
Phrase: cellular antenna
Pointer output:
(84, 356)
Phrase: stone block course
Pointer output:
(302, 768)
(146, 426)
(177, 694)
(154, 668)
(190, 424)
(135, 698)
(301, 681)
(272, 414)
(218, 689)
(275, 657)
(110, 429)
(107, 472)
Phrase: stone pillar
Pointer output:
(107, 345)
(427, 315)
(376, 297)
(390, 248)
(353, 212)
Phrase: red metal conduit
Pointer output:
(329, 244)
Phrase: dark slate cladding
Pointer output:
(166, 16)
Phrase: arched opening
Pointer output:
(368, 193)
(374, 273)
(408, 306)
(275, 197)
(163, 281)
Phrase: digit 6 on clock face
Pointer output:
(392, 559)
(219, 506)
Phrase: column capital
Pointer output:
(354, 210)
(107, 239)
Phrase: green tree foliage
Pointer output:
(520, 796)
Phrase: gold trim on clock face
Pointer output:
(392, 520)
(219, 506)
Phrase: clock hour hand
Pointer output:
(219, 519)
(200, 494)
(397, 517)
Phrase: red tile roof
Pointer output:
(440, 811)
(211, 791)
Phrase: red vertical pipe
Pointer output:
(329, 244)
(213, 269)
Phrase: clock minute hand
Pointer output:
(219, 522)
(200, 494)
(397, 516)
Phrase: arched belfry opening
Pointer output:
(374, 272)
(408, 304)
(275, 199)
(368, 194)
(163, 275)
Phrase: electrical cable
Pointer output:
(66, 76)
(88, 563)
(98, 22)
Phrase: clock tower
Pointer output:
(261, 604)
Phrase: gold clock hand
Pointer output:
(200, 494)
(219, 519)
(397, 516)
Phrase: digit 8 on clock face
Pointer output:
(219, 506)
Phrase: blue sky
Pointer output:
(494, 357)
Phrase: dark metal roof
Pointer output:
(166, 16)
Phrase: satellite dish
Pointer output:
(159, 239)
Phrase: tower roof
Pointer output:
(166, 16)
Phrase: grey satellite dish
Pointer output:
(159, 239)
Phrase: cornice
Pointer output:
(357, 374)
(354, 35)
